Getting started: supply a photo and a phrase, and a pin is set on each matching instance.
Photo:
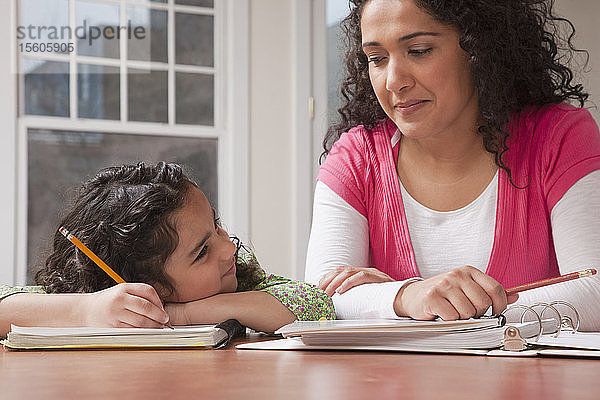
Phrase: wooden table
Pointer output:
(287, 375)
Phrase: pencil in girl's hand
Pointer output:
(97, 260)
(551, 281)
(91, 255)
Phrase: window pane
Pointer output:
(154, 23)
(60, 160)
(194, 97)
(42, 24)
(97, 28)
(147, 91)
(199, 3)
(46, 89)
(194, 39)
(98, 89)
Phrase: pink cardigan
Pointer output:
(550, 148)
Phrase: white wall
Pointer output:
(271, 105)
(585, 15)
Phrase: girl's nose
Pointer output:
(229, 248)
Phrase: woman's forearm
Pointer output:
(576, 232)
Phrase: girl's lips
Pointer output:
(408, 108)
(230, 271)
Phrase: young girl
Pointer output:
(152, 224)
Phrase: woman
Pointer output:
(457, 169)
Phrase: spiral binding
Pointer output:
(564, 322)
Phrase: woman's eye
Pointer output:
(419, 52)
(202, 253)
(376, 60)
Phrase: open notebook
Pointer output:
(195, 336)
(556, 336)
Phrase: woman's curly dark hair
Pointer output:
(519, 52)
(123, 214)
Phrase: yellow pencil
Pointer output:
(97, 260)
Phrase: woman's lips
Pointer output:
(410, 107)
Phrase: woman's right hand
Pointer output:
(124, 305)
(462, 293)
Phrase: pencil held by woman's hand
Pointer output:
(343, 279)
(462, 293)
(125, 305)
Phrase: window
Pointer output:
(328, 68)
(106, 82)
(336, 11)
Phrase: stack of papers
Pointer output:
(56, 338)
(484, 333)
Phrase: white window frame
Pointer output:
(8, 118)
(319, 80)
(231, 124)
(309, 118)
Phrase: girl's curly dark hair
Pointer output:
(519, 52)
(123, 214)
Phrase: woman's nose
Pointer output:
(398, 76)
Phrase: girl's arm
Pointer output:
(271, 304)
(123, 305)
(257, 310)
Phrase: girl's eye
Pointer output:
(201, 254)
(376, 60)
(216, 219)
(419, 52)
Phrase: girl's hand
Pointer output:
(462, 293)
(177, 313)
(124, 305)
(343, 279)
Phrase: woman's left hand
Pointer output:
(343, 279)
